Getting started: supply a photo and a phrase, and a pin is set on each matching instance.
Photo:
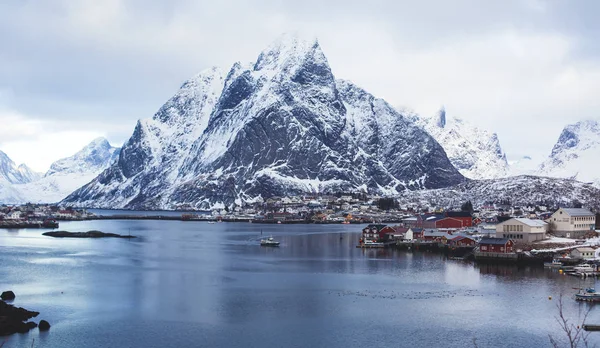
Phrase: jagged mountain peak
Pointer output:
(10, 173)
(288, 50)
(280, 126)
(575, 154)
(441, 117)
(475, 152)
(95, 155)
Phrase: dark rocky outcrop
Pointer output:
(44, 325)
(88, 234)
(7, 295)
(12, 319)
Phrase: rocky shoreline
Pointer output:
(16, 319)
(88, 234)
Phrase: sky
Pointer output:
(71, 71)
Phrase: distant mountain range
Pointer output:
(21, 185)
(477, 153)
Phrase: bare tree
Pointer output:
(575, 334)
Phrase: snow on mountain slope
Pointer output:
(10, 173)
(476, 153)
(68, 174)
(576, 154)
(11, 176)
(519, 191)
(281, 126)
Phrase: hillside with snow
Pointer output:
(576, 154)
(283, 125)
(475, 152)
(519, 191)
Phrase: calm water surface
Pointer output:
(194, 284)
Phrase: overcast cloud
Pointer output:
(74, 70)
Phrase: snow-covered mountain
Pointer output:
(519, 191)
(68, 174)
(475, 152)
(576, 154)
(282, 125)
(63, 177)
(13, 174)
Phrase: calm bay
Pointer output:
(195, 284)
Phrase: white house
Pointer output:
(573, 222)
(522, 230)
(585, 253)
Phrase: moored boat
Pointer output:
(554, 264)
(269, 242)
(584, 268)
(589, 295)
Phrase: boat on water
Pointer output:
(584, 268)
(588, 295)
(211, 222)
(554, 264)
(269, 242)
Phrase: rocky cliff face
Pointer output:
(475, 152)
(283, 125)
(576, 153)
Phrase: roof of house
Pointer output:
(458, 214)
(531, 222)
(578, 211)
(458, 238)
(417, 229)
(585, 249)
(494, 241)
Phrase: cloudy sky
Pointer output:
(74, 70)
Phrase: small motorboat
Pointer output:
(589, 295)
(584, 268)
(554, 264)
(269, 242)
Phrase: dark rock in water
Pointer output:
(89, 234)
(12, 319)
(44, 325)
(7, 295)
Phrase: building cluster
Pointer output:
(500, 235)
(10, 214)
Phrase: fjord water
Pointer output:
(194, 284)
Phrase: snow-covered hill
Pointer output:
(283, 125)
(576, 154)
(475, 152)
(65, 175)
(519, 191)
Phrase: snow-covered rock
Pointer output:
(281, 126)
(63, 177)
(576, 154)
(13, 174)
(475, 152)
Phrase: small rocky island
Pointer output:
(16, 319)
(88, 234)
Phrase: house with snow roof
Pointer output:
(522, 230)
(573, 222)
